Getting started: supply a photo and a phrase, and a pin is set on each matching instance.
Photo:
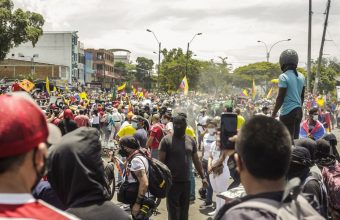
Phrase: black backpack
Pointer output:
(160, 178)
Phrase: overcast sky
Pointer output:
(230, 28)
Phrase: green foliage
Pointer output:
(214, 77)
(330, 68)
(261, 72)
(173, 69)
(126, 71)
(143, 69)
(17, 27)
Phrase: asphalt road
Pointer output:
(194, 212)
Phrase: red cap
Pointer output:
(23, 125)
(68, 114)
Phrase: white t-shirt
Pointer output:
(136, 164)
(207, 142)
(95, 119)
(215, 153)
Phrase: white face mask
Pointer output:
(315, 117)
(134, 124)
(211, 131)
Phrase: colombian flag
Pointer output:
(184, 85)
(121, 87)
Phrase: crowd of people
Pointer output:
(284, 162)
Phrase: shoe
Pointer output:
(212, 213)
(206, 205)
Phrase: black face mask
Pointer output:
(123, 152)
(39, 174)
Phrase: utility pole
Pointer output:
(187, 60)
(317, 77)
(159, 64)
(309, 73)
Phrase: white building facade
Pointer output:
(59, 48)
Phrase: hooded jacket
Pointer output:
(76, 173)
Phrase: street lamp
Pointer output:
(159, 55)
(187, 60)
(270, 49)
(32, 60)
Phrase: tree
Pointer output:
(214, 77)
(173, 69)
(17, 27)
(143, 68)
(330, 68)
(125, 70)
(261, 72)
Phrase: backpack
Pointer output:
(293, 206)
(323, 203)
(331, 176)
(160, 178)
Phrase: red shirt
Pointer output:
(82, 120)
(16, 87)
(156, 131)
(24, 206)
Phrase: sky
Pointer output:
(229, 28)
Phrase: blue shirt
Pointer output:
(294, 86)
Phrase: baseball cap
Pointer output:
(23, 125)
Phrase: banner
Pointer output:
(26, 85)
(184, 85)
(48, 86)
(121, 87)
(253, 91)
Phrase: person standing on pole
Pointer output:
(291, 93)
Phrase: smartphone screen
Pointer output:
(228, 129)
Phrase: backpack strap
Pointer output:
(269, 205)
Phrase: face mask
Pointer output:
(315, 117)
(211, 131)
(123, 152)
(134, 124)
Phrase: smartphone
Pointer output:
(228, 130)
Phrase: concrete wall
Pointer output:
(53, 48)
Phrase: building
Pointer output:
(81, 63)
(22, 69)
(100, 68)
(121, 55)
(56, 48)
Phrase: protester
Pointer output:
(218, 175)
(136, 172)
(208, 140)
(95, 119)
(67, 124)
(23, 152)
(300, 167)
(240, 119)
(125, 130)
(177, 151)
(291, 93)
(82, 120)
(141, 135)
(312, 127)
(15, 86)
(262, 137)
(81, 163)
(156, 135)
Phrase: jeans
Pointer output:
(192, 181)
(177, 201)
(209, 189)
(292, 121)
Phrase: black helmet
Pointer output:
(289, 57)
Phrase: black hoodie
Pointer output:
(76, 173)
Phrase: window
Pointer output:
(99, 66)
(100, 56)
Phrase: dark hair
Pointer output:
(309, 144)
(312, 111)
(81, 111)
(167, 116)
(129, 141)
(293, 67)
(11, 163)
(264, 145)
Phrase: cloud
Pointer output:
(230, 28)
